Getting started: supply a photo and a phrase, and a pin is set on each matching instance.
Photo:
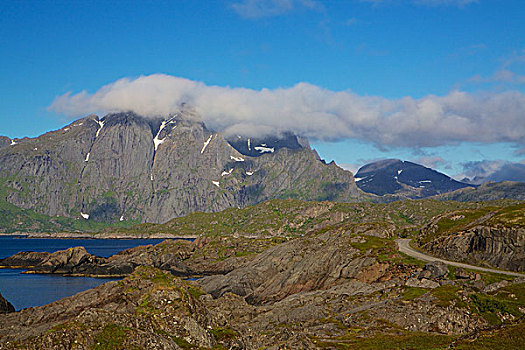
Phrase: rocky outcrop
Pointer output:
(496, 246)
(125, 167)
(149, 310)
(5, 306)
(204, 256)
(300, 265)
(78, 262)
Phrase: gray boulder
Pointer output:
(434, 270)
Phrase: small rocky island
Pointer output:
(288, 274)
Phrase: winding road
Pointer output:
(404, 247)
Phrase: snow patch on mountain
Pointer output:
(101, 125)
(206, 143)
(237, 159)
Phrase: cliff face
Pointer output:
(493, 236)
(124, 167)
(497, 246)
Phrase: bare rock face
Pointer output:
(5, 141)
(300, 265)
(126, 167)
(497, 246)
(5, 306)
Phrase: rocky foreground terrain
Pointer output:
(282, 275)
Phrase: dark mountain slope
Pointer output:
(402, 178)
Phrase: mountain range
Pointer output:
(123, 169)
(126, 167)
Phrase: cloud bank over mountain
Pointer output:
(494, 170)
(315, 112)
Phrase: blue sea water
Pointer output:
(26, 290)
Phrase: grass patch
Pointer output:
(509, 337)
(159, 277)
(456, 221)
(490, 277)
(513, 215)
(507, 300)
(446, 295)
(489, 307)
(408, 340)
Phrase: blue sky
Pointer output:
(389, 50)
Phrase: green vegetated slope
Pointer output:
(17, 220)
(294, 217)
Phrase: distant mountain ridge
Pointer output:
(405, 179)
(127, 167)
(488, 191)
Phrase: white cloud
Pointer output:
(318, 113)
(269, 8)
(350, 167)
(430, 161)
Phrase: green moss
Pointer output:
(182, 343)
(112, 337)
(195, 291)
(411, 293)
(223, 333)
(145, 306)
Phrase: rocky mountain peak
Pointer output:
(256, 147)
(394, 176)
(123, 166)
